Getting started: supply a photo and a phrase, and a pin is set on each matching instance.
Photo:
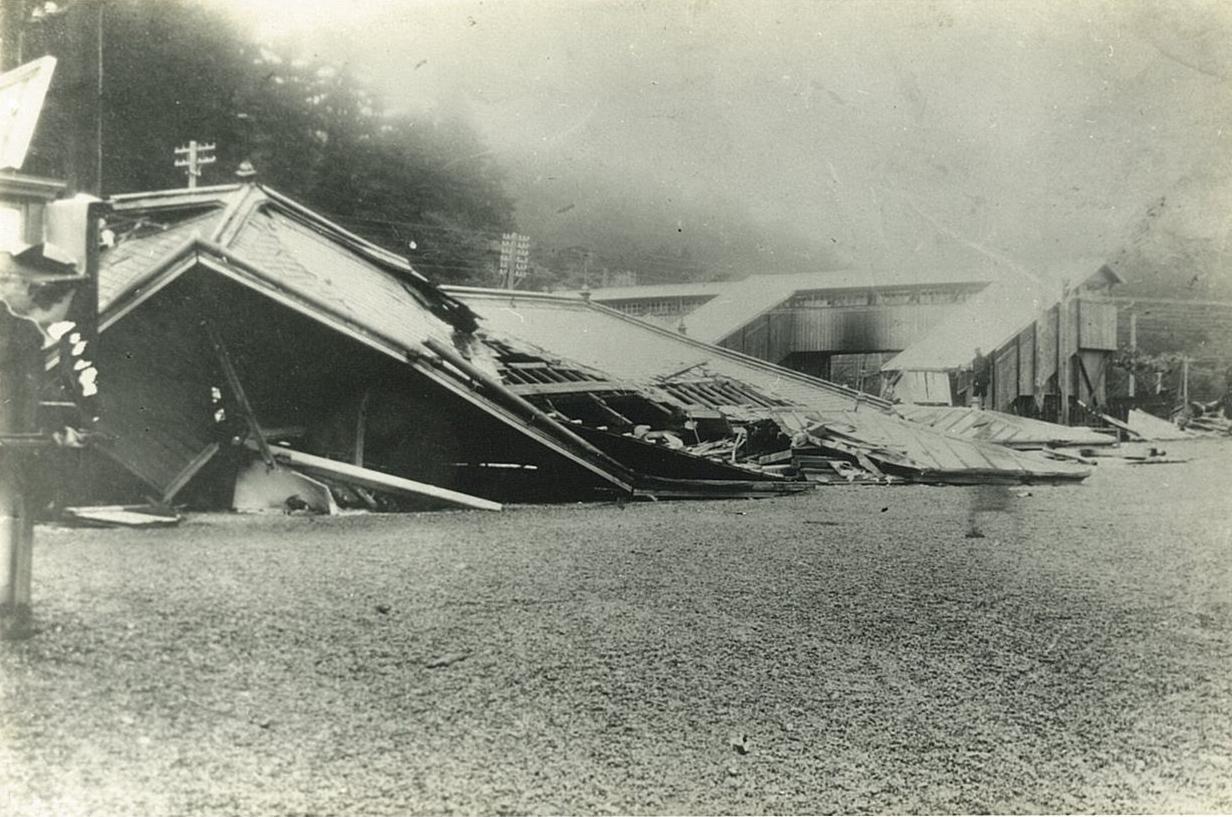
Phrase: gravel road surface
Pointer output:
(845, 651)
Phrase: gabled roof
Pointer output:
(738, 304)
(254, 232)
(992, 317)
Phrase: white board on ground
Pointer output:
(375, 480)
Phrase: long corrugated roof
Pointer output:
(807, 281)
(691, 289)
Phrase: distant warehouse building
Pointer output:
(1039, 345)
(910, 335)
(840, 325)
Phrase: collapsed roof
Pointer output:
(837, 418)
(234, 304)
(310, 318)
(238, 326)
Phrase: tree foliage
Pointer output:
(174, 71)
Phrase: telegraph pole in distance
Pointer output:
(195, 157)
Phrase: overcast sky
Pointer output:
(780, 135)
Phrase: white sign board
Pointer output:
(22, 92)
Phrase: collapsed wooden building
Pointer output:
(793, 421)
(237, 326)
(253, 354)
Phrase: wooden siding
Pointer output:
(1094, 367)
(1026, 363)
(1005, 377)
(836, 329)
(864, 328)
(1097, 325)
(1045, 348)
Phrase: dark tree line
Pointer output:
(173, 71)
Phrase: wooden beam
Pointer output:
(611, 412)
(533, 414)
(361, 423)
(1086, 378)
(374, 480)
(233, 381)
(189, 471)
(574, 387)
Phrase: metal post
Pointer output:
(20, 346)
(1185, 380)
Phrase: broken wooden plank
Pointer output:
(533, 415)
(189, 471)
(1146, 426)
(361, 426)
(374, 480)
(237, 389)
(566, 387)
(121, 516)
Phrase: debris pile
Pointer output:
(747, 413)
(1205, 418)
(258, 357)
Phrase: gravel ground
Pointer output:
(845, 651)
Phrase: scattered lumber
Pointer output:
(1144, 426)
(373, 480)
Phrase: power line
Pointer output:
(495, 236)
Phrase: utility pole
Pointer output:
(514, 258)
(1064, 376)
(1133, 347)
(195, 157)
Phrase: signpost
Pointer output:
(47, 259)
